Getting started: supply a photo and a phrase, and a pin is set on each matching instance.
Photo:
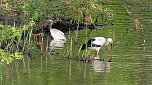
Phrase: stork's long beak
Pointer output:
(111, 45)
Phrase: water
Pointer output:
(131, 59)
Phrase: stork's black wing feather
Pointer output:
(84, 46)
(88, 44)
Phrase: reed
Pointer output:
(42, 40)
(41, 63)
(77, 31)
(47, 45)
(79, 51)
(24, 64)
(25, 40)
(71, 46)
(86, 39)
(30, 35)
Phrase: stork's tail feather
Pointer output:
(84, 46)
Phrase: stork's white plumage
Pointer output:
(55, 33)
(96, 43)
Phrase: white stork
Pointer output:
(55, 33)
(96, 43)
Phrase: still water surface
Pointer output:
(131, 61)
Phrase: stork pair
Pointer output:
(96, 43)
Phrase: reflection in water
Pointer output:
(57, 44)
(101, 66)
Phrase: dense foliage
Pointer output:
(19, 17)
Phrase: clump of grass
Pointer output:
(15, 42)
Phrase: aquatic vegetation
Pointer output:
(13, 44)
(9, 43)
(7, 58)
(23, 21)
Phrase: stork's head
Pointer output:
(50, 22)
(110, 42)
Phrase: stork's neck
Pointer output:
(107, 42)
(50, 24)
